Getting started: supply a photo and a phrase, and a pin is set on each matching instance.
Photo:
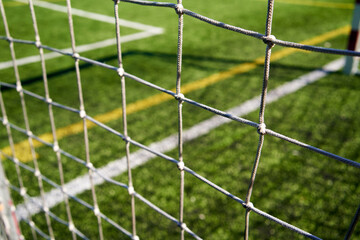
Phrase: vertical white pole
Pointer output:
(352, 63)
(9, 228)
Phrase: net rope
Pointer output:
(269, 40)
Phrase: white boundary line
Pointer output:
(147, 31)
(117, 167)
(94, 16)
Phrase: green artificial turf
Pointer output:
(308, 190)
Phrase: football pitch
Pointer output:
(221, 69)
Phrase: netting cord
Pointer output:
(96, 210)
(25, 115)
(121, 72)
(262, 126)
(44, 75)
(56, 218)
(179, 97)
(353, 224)
(247, 32)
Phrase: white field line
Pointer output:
(147, 31)
(117, 167)
(95, 16)
(79, 49)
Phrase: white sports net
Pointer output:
(96, 176)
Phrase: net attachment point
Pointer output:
(76, 55)
(249, 206)
(96, 211)
(182, 226)
(82, 113)
(37, 173)
(49, 100)
(180, 97)
(71, 227)
(32, 224)
(89, 165)
(181, 165)
(120, 71)
(5, 121)
(46, 209)
(261, 128)
(270, 40)
(19, 88)
(56, 147)
(179, 9)
(23, 192)
(131, 190)
(38, 43)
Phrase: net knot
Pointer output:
(270, 40)
(37, 42)
(5, 121)
(75, 55)
(96, 211)
(37, 173)
(64, 190)
(49, 100)
(136, 237)
(71, 227)
(181, 165)
(131, 190)
(89, 165)
(56, 147)
(82, 113)
(182, 226)
(32, 224)
(9, 39)
(19, 88)
(46, 209)
(179, 9)
(120, 71)
(248, 206)
(23, 192)
(180, 97)
(29, 133)
(262, 128)
(16, 161)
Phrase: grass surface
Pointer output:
(308, 190)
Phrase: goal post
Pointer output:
(9, 228)
(352, 63)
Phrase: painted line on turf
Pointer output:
(94, 16)
(23, 149)
(79, 49)
(16, 4)
(140, 157)
(323, 4)
(148, 31)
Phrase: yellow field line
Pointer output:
(317, 4)
(23, 149)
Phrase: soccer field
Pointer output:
(222, 70)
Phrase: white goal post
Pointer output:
(352, 63)
(9, 228)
